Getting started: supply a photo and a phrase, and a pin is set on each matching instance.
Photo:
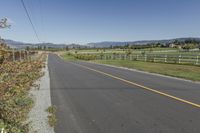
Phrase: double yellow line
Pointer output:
(140, 86)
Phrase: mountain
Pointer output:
(143, 42)
(105, 44)
(16, 44)
(22, 45)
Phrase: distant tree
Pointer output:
(44, 47)
(39, 47)
(190, 46)
(27, 48)
(176, 41)
(128, 52)
(67, 48)
(151, 50)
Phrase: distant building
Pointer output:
(172, 45)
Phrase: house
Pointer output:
(172, 45)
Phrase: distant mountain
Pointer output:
(143, 42)
(106, 44)
(17, 44)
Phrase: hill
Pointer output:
(143, 42)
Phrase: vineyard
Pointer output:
(16, 79)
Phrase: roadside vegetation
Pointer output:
(181, 71)
(190, 72)
(52, 115)
(16, 79)
(68, 56)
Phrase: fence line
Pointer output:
(15, 55)
(164, 58)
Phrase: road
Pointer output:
(94, 98)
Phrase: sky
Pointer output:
(84, 21)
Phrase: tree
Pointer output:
(67, 48)
(189, 46)
(27, 48)
(4, 23)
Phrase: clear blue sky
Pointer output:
(82, 21)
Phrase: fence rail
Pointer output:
(15, 55)
(164, 58)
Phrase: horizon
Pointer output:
(107, 41)
(66, 22)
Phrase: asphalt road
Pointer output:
(89, 101)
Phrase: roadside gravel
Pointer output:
(42, 100)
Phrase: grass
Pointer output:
(52, 115)
(156, 51)
(176, 70)
(68, 57)
(181, 71)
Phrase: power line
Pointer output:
(27, 13)
(41, 17)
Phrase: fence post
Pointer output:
(27, 55)
(165, 58)
(154, 59)
(20, 55)
(24, 53)
(13, 54)
(179, 59)
(137, 57)
(145, 57)
(197, 61)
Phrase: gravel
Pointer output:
(42, 100)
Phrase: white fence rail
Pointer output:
(165, 58)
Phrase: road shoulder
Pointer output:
(42, 100)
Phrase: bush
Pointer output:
(52, 117)
(16, 79)
(85, 56)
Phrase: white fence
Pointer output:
(165, 58)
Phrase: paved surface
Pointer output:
(91, 102)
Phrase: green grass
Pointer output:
(181, 71)
(52, 120)
(134, 51)
(68, 57)
(176, 70)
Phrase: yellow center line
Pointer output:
(141, 86)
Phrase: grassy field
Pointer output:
(175, 70)
(68, 57)
(181, 71)
(169, 51)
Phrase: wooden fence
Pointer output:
(15, 55)
(164, 58)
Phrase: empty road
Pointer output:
(94, 98)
